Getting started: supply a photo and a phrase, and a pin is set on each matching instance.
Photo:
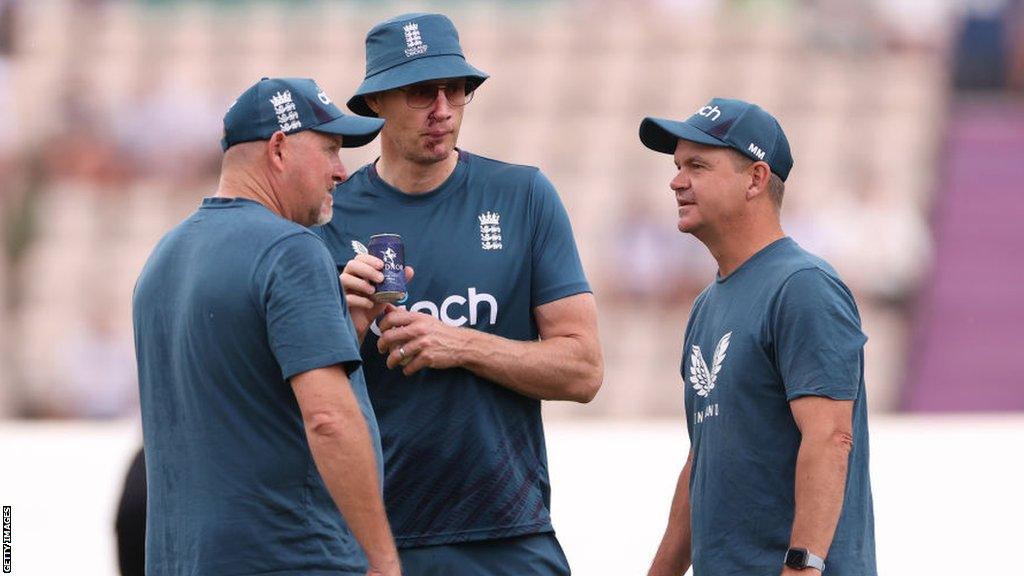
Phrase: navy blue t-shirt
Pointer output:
(464, 458)
(232, 303)
(780, 327)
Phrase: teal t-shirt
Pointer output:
(781, 326)
(232, 303)
(464, 458)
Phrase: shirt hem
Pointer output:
(305, 572)
(472, 535)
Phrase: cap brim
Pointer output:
(662, 135)
(411, 72)
(354, 130)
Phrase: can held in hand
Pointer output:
(389, 248)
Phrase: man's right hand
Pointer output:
(359, 279)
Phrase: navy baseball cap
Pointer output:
(735, 124)
(292, 105)
(408, 49)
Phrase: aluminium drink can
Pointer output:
(390, 249)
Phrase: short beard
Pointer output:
(323, 215)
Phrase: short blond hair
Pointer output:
(776, 187)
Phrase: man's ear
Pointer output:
(276, 150)
(760, 174)
(373, 101)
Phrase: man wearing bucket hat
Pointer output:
(499, 317)
(256, 422)
(776, 481)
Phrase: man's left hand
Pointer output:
(415, 341)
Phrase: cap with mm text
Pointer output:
(728, 123)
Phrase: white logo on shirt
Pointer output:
(703, 379)
(450, 309)
(490, 230)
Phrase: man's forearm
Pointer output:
(559, 368)
(345, 457)
(821, 468)
(674, 553)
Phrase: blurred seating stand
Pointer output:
(570, 83)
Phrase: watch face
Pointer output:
(796, 558)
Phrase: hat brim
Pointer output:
(411, 72)
(354, 130)
(662, 135)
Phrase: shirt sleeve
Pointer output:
(557, 270)
(308, 325)
(819, 345)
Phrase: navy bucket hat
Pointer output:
(735, 124)
(408, 49)
(292, 105)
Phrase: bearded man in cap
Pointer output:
(499, 317)
(256, 423)
(776, 481)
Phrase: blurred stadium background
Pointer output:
(906, 118)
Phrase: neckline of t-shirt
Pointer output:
(451, 183)
(757, 256)
(219, 202)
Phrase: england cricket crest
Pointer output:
(287, 115)
(490, 230)
(413, 41)
(701, 377)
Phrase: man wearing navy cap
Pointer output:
(499, 317)
(256, 422)
(776, 481)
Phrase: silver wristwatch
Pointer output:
(800, 558)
